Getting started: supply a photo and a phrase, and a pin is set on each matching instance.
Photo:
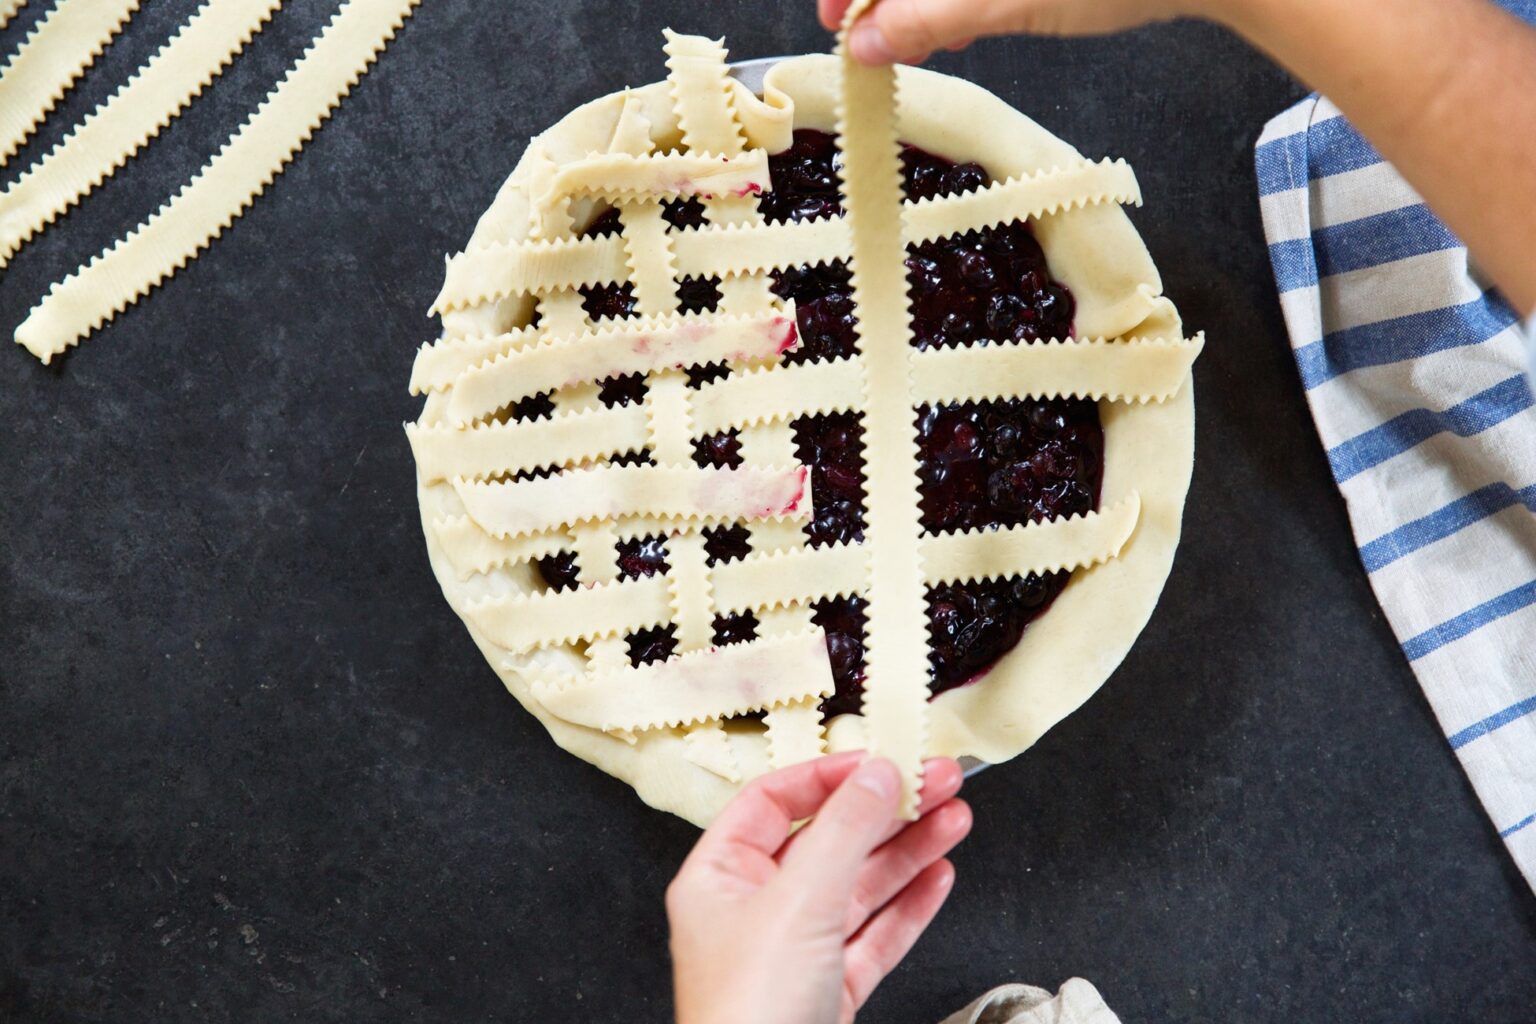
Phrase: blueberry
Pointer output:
(977, 271)
(964, 178)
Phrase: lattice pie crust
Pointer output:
(671, 729)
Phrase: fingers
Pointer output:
(892, 867)
(762, 814)
(942, 778)
(823, 863)
(831, 13)
(909, 30)
(888, 937)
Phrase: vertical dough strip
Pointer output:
(896, 690)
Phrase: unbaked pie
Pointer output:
(771, 423)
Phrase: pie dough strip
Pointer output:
(558, 363)
(477, 276)
(495, 449)
(670, 424)
(620, 176)
(707, 112)
(438, 364)
(55, 53)
(220, 192)
(715, 683)
(604, 492)
(765, 583)
(1056, 545)
(768, 120)
(777, 393)
(753, 248)
(1138, 370)
(590, 612)
(134, 114)
(472, 551)
(701, 95)
(693, 610)
(595, 545)
(1042, 194)
(8, 9)
(896, 691)
(786, 578)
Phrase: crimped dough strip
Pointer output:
(895, 704)
(514, 509)
(134, 114)
(226, 185)
(618, 351)
(8, 9)
(719, 682)
(66, 42)
(486, 274)
(798, 576)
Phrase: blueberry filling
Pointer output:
(984, 464)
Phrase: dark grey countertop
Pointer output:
(252, 768)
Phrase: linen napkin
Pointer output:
(1078, 1002)
(1416, 373)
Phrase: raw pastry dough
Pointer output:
(513, 325)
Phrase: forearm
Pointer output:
(1445, 89)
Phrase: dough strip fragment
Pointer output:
(137, 112)
(8, 9)
(615, 352)
(66, 42)
(226, 185)
(718, 682)
(610, 491)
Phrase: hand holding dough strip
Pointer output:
(66, 42)
(134, 114)
(226, 185)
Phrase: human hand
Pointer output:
(769, 927)
(910, 30)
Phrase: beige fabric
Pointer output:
(1078, 1002)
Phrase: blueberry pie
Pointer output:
(841, 411)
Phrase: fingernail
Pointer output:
(869, 45)
(879, 777)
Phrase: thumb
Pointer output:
(909, 30)
(822, 864)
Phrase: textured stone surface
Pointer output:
(251, 767)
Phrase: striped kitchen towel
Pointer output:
(1416, 374)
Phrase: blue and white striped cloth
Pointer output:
(1416, 372)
